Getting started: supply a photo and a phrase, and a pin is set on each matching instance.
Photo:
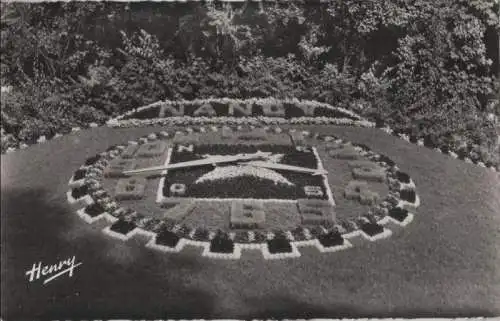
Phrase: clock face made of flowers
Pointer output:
(229, 189)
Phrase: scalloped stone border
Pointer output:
(186, 237)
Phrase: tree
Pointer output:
(441, 75)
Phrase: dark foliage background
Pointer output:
(427, 68)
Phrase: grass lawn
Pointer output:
(445, 263)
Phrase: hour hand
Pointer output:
(299, 169)
(199, 162)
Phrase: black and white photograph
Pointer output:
(240, 160)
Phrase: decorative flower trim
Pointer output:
(306, 106)
(94, 203)
(240, 170)
(200, 120)
(225, 120)
(44, 138)
(443, 149)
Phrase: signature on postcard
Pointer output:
(52, 271)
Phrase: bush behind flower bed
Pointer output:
(430, 81)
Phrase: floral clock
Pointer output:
(230, 189)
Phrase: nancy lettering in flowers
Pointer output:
(53, 271)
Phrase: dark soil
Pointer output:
(331, 239)
(79, 192)
(279, 245)
(94, 210)
(402, 177)
(372, 229)
(79, 174)
(122, 227)
(399, 214)
(221, 245)
(167, 238)
(408, 195)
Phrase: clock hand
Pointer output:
(313, 171)
(198, 162)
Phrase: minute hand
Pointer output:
(194, 163)
(313, 171)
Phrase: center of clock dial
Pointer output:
(241, 172)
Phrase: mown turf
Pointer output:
(445, 263)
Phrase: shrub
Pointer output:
(430, 78)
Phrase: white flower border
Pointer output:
(224, 120)
(310, 104)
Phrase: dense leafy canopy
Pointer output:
(429, 68)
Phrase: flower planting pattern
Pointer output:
(127, 120)
(260, 120)
(236, 171)
(94, 202)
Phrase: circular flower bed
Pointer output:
(95, 202)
